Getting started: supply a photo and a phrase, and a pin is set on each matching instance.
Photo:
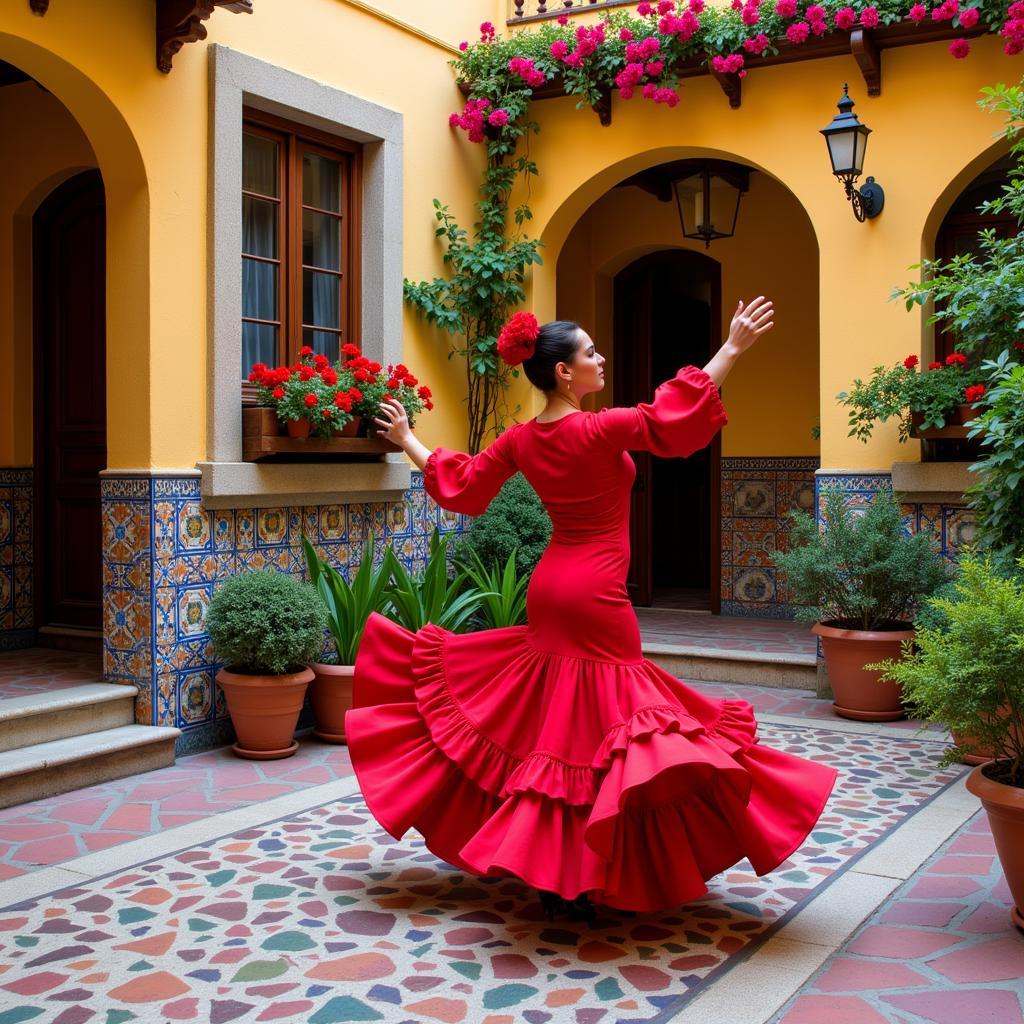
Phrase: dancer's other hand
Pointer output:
(749, 323)
(394, 421)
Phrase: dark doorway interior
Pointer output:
(668, 314)
(69, 299)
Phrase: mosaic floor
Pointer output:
(322, 917)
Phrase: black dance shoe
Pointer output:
(581, 909)
(552, 903)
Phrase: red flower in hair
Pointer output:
(518, 337)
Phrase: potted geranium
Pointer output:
(967, 673)
(857, 581)
(348, 606)
(311, 397)
(374, 381)
(266, 627)
(925, 401)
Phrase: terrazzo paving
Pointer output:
(322, 917)
(941, 950)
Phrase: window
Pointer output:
(300, 237)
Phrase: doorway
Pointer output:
(69, 400)
(668, 315)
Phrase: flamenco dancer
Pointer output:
(554, 751)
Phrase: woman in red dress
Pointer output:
(555, 751)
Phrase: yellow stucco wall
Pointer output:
(43, 146)
(929, 139)
(149, 135)
(626, 223)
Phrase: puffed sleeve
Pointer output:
(685, 415)
(466, 483)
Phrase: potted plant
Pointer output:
(265, 627)
(432, 596)
(858, 580)
(967, 673)
(348, 606)
(373, 381)
(926, 402)
(311, 398)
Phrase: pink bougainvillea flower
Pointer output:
(798, 32)
(498, 118)
(917, 13)
(625, 35)
(463, 46)
(969, 18)
(959, 48)
(785, 8)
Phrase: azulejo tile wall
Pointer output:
(757, 496)
(164, 553)
(950, 526)
(16, 611)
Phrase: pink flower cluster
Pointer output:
(757, 45)
(817, 18)
(588, 39)
(487, 32)
(918, 13)
(525, 69)
(1013, 29)
(731, 65)
(798, 31)
(682, 25)
(473, 117)
(667, 96)
(946, 11)
(846, 18)
(869, 17)
(749, 13)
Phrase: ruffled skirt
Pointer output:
(576, 775)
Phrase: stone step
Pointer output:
(67, 711)
(46, 769)
(723, 665)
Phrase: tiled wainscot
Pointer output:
(164, 553)
(16, 558)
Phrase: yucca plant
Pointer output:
(349, 604)
(503, 591)
(431, 596)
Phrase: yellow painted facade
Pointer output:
(796, 238)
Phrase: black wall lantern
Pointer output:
(708, 196)
(847, 141)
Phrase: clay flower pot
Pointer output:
(983, 754)
(298, 428)
(858, 693)
(351, 429)
(331, 695)
(264, 711)
(1005, 808)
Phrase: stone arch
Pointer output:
(128, 265)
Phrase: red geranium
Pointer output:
(911, 361)
(956, 359)
(974, 392)
(935, 366)
(311, 399)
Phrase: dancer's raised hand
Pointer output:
(395, 423)
(749, 323)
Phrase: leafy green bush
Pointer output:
(348, 605)
(862, 571)
(516, 520)
(502, 591)
(266, 623)
(431, 596)
(969, 675)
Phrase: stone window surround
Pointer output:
(237, 80)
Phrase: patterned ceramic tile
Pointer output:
(16, 601)
(322, 917)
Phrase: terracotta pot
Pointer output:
(984, 754)
(331, 694)
(1005, 808)
(264, 711)
(858, 692)
(298, 428)
(351, 429)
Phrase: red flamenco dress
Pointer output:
(555, 751)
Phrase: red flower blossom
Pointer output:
(424, 391)
(911, 361)
(798, 31)
(349, 349)
(757, 44)
(330, 375)
(518, 337)
(356, 394)
(959, 48)
(563, 19)
(956, 359)
(306, 350)
(343, 400)
(785, 8)
(373, 367)
(974, 392)
(320, 361)
(625, 35)
(430, 404)
(969, 18)
(306, 373)
(311, 399)
(278, 393)
(643, 9)
(935, 366)
(869, 17)
(917, 13)
(328, 412)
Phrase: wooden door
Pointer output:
(69, 297)
(632, 374)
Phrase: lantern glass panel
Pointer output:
(721, 198)
(841, 151)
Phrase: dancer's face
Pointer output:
(586, 368)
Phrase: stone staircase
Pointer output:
(53, 741)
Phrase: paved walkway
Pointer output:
(173, 896)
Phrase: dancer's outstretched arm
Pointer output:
(746, 327)
(394, 425)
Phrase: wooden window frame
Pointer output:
(294, 140)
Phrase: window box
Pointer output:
(957, 425)
(263, 437)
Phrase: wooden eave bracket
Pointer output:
(39, 7)
(181, 21)
(603, 107)
(732, 86)
(869, 59)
